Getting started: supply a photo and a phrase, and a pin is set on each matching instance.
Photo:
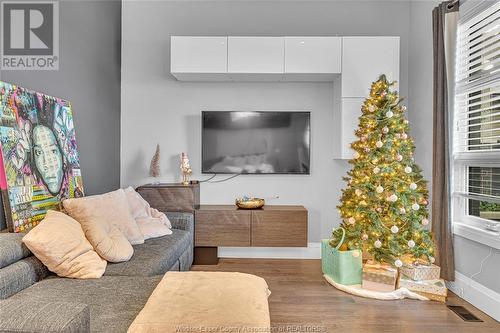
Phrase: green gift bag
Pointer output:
(344, 267)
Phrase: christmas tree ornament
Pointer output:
(392, 198)
(358, 192)
(386, 178)
(398, 263)
(371, 108)
(356, 155)
(364, 237)
(403, 108)
(432, 260)
(411, 243)
(425, 221)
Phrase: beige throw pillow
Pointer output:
(60, 244)
(106, 221)
(152, 223)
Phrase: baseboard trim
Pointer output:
(476, 294)
(312, 251)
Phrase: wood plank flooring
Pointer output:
(302, 301)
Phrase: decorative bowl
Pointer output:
(250, 203)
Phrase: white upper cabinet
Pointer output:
(313, 55)
(364, 59)
(262, 55)
(198, 55)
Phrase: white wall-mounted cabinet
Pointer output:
(198, 58)
(319, 56)
(248, 56)
(364, 59)
(352, 63)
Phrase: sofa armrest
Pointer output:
(182, 221)
(29, 316)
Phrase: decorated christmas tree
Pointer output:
(384, 206)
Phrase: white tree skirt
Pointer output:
(358, 291)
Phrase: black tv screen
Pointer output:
(256, 142)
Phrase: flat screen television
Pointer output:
(256, 142)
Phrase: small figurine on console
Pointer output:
(185, 169)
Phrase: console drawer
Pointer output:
(222, 228)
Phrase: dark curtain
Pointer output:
(444, 20)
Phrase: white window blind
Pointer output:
(476, 118)
(477, 104)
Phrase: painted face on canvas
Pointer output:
(48, 158)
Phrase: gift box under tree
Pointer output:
(379, 276)
(420, 271)
(432, 289)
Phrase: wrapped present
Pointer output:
(432, 289)
(379, 276)
(418, 270)
(433, 297)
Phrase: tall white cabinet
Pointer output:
(364, 59)
(352, 63)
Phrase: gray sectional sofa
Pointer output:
(34, 300)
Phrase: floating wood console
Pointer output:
(227, 225)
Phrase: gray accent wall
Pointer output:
(89, 77)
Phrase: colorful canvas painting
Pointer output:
(40, 164)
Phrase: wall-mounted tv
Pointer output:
(256, 142)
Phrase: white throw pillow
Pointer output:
(152, 223)
(107, 224)
(60, 244)
(113, 208)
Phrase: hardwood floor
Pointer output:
(302, 299)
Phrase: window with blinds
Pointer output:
(477, 103)
(476, 136)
